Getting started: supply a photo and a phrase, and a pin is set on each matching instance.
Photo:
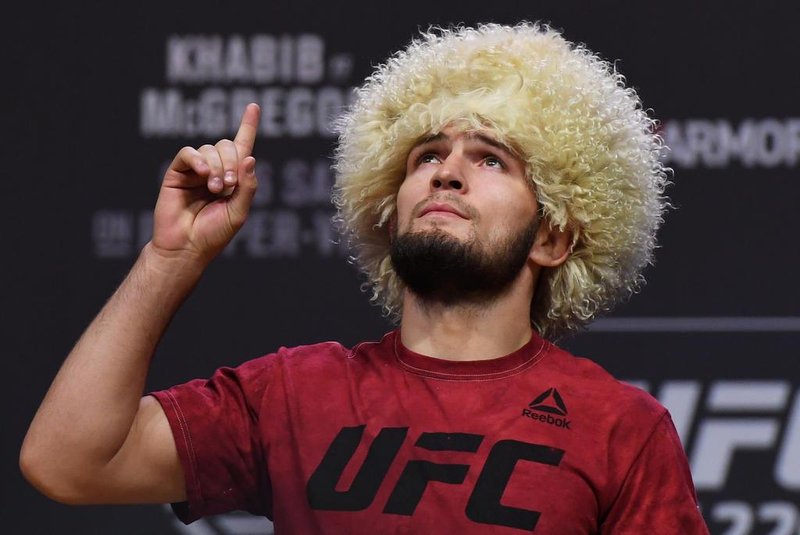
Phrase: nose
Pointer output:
(448, 176)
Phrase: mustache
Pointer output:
(448, 198)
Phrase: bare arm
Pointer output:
(95, 439)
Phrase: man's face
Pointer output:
(466, 217)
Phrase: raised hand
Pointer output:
(206, 194)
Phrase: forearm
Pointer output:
(88, 411)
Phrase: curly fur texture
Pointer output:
(590, 151)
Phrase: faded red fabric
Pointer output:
(378, 439)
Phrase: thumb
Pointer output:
(242, 196)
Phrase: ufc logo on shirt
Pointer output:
(484, 503)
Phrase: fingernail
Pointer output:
(229, 179)
(251, 166)
(215, 183)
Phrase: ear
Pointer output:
(552, 246)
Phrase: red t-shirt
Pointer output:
(378, 439)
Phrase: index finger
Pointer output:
(246, 136)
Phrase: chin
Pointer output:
(440, 230)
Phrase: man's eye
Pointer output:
(428, 157)
(494, 161)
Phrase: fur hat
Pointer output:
(590, 149)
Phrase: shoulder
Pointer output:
(325, 357)
(602, 396)
(333, 350)
(320, 351)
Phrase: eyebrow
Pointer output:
(471, 136)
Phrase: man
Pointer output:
(499, 185)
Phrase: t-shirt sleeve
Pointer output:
(657, 496)
(215, 423)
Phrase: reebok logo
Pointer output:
(551, 403)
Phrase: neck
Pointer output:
(469, 331)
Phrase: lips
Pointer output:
(440, 207)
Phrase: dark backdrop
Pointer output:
(96, 100)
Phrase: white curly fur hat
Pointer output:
(590, 149)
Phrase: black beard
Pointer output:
(439, 268)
